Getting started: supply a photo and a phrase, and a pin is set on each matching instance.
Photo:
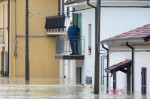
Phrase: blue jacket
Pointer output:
(73, 31)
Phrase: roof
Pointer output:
(140, 32)
(119, 67)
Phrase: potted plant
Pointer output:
(89, 49)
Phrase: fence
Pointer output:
(72, 45)
(55, 23)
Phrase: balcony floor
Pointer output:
(70, 57)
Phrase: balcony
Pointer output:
(64, 49)
(74, 1)
(2, 30)
(55, 25)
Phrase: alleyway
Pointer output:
(16, 88)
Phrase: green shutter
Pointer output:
(75, 19)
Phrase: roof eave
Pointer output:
(120, 41)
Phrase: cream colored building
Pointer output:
(3, 34)
(41, 46)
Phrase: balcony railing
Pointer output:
(75, 1)
(1, 35)
(72, 45)
(55, 25)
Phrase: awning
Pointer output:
(55, 22)
(119, 67)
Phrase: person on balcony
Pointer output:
(73, 35)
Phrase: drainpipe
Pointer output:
(132, 65)
(90, 5)
(63, 7)
(15, 50)
(8, 33)
(59, 7)
(107, 62)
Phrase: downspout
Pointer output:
(132, 65)
(90, 5)
(15, 51)
(8, 32)
(59, 7)
(107, 62)
(63, 7)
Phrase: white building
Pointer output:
(117, 16)
(137, 50)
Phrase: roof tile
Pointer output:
(135, 33)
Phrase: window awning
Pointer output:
(119, 67)
(55, 22)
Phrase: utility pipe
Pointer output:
(27, 71)
(132, 65)
(15, 50)
(8, 32)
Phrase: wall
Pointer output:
(88, 17)
(119, 20)
(41, 48)
(141, 60)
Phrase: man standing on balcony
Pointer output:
(73, 35)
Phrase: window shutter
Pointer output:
(75, 19)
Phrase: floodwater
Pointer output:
(51, 88)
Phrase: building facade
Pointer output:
(4, 37)
(116, 17)
(42, 46)
(134, 46)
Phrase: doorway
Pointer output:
(77, 20)
(143, 80)
(78, 75)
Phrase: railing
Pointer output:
(1, 35)
(80, 0)
(56, 30)
(72, 1)
(55, 24)
(71, 45)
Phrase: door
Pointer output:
(144, 80)
(78, 75)
(77, 20)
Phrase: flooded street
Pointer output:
(17, 88)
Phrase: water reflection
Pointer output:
(39, 88)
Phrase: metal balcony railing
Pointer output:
(75, 1)
(72, 45)
(80, 0)
(55, 24)
(1, 35)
